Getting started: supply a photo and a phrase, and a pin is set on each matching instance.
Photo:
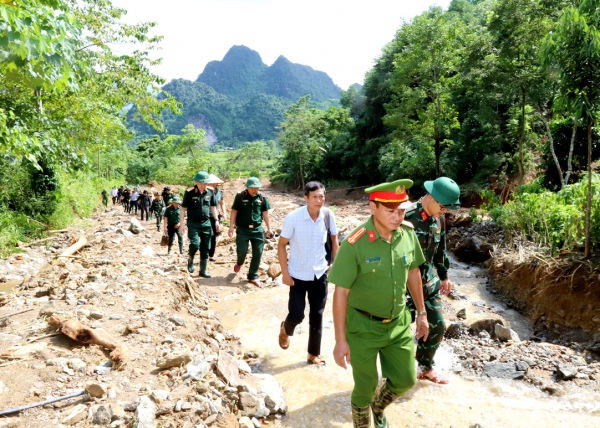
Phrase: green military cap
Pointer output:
(445, 191)
(202, 177)
(391, 193)
(176, 200)
(104, 190)
(253, 182)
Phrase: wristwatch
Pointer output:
(421, 312)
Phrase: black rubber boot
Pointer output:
(361, 416)
(203, 263)
(169, 252)
(383, 398)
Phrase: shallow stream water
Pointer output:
(320, 397)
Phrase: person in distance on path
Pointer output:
(306, 229)
(167, 195)
(158, 207)
(126, 197)
(120, 195)
(144, 204)
(199, 202)
(373, 267)
(248, 211)
(133, 205)
(429, 222)
(214, 185)
(114, 193)
(105, 197)
(172, 221)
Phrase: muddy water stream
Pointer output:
(320, 397)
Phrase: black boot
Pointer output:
(203, 263)
(361, 416)
(383, 398)
(169, 252)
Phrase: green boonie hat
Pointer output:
(176, 200)
(104, 190)
(394, 192)
(201, 177)
(445, 191)
(253, 182)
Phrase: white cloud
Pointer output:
(341, 38)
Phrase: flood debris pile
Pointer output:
(129, 327)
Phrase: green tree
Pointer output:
(422, 81)
(574, 49)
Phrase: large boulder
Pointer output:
(227, 367)
(487, 324)
(505, 370)
(506, 334)
(473, 250)
(146, 413)
(135, 226)
(566, 371)
(273, 393)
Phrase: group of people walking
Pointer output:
(389, 272)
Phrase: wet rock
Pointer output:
(505, 333)
(102, 416)
(274, 270)
(244, 367)
(462, 314)
(479, 304)
(473, 250)
(457, 295)
(227, 367)
(566, 371)
(503, 371)
(174, 358)
(274, 396)
(96, 389)
(146, 413)
(456, 330)
(135, 227)
(487, 324)
(249, 403)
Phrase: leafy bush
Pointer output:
(555, 220)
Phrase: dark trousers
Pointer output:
(317, 297)
(134, 204)
(213, 237)
(143, 210)
(114, 200)
(171, 232)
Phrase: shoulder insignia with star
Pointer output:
(372, 236)
(354, 237)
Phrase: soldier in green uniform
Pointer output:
(158, 206)
(105, 197)
(199, 202)
(371, 271)
(167, 195)
(172, 223)
(429, 223)
(248, 211)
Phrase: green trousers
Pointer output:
(256, 237)
(392, 341)
(105, 202)
(171, 232)
(159, 218)
(199, 236)
(437, 327)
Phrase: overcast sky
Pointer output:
(339, 37)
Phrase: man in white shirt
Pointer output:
(305, 229)
(114, 193)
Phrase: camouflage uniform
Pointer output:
(432, 236)
(157, 207)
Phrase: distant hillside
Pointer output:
(240, 98)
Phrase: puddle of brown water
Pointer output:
(320, 397)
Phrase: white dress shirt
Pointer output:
(307, 243)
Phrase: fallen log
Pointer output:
(75, 330)
(29, 244)
(16, 313)
(75, 247)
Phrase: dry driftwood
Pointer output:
(29, 244)
(75, 330)
(75, 247)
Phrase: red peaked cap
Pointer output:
(392, 195)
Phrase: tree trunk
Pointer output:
(570, 161)
(438, 173)
(99, 175)
(521, 140)
(551, 144)
(588, 211)
(301, 171)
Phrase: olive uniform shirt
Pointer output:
(376, 270)
(431, 233)
(249, 209)
(157, 206)
(172, 215)
(168, 197)
(198, 204)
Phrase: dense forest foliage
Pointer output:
(240, 98)
(460, 92)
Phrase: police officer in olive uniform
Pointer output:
(429, 222)
(371, 271)
(199, 202)
(247, 213)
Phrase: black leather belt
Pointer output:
(373, 317)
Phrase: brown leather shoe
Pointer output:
(284, 339)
